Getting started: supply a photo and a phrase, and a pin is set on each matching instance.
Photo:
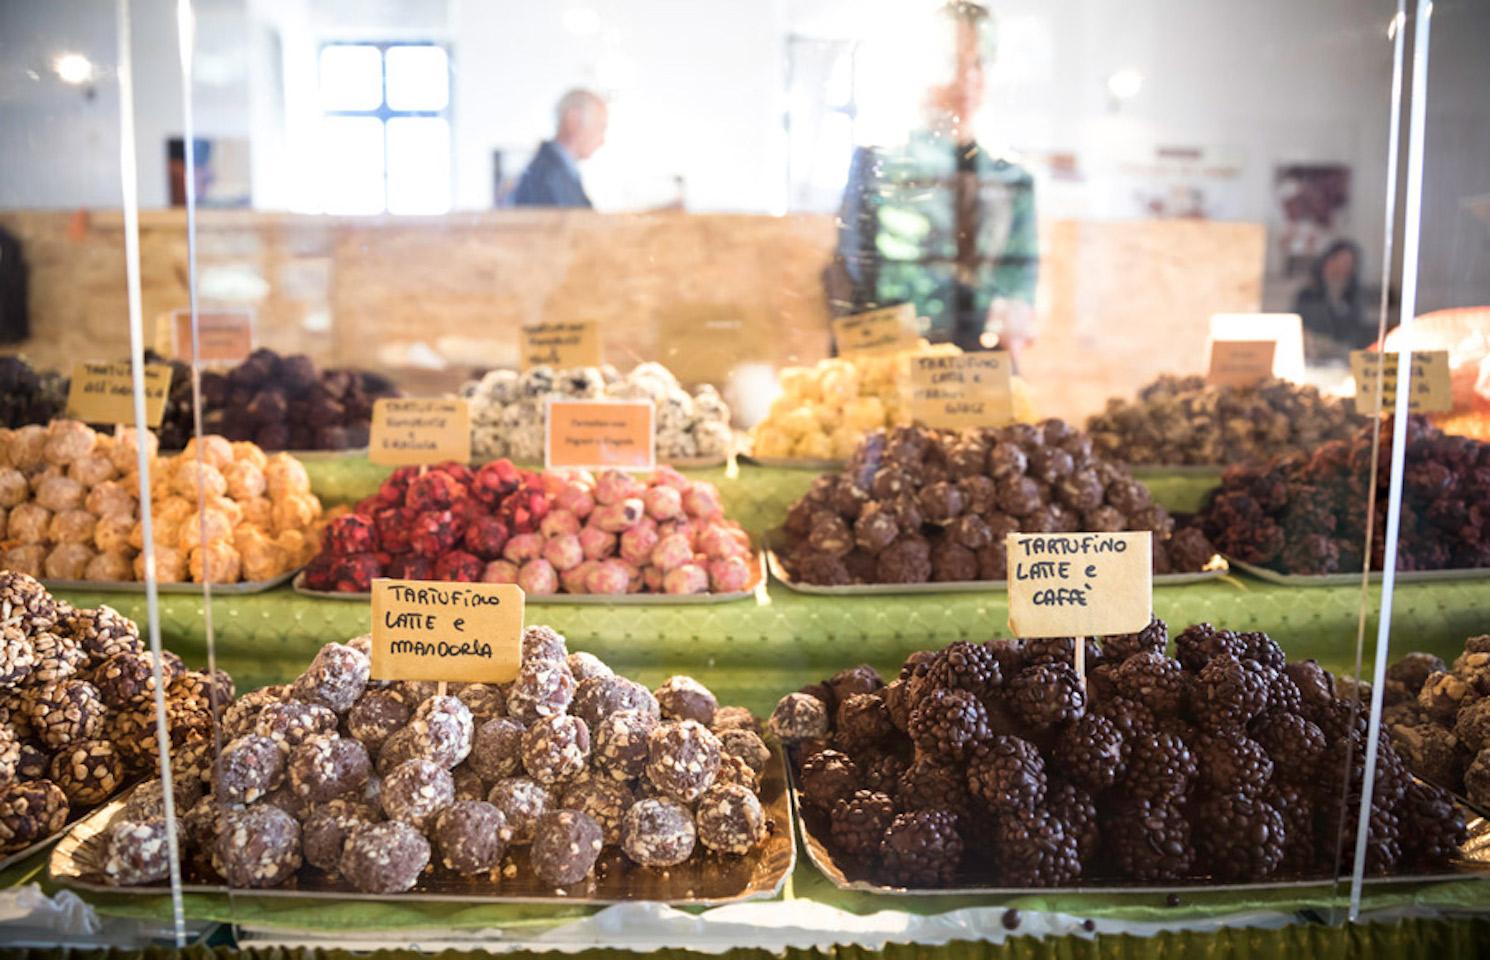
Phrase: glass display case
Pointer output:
(963, 470)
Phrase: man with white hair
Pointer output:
(552, 177)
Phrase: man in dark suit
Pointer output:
(552, 177)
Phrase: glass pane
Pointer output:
(418, 78)
(351, 77)
(352, 165)
(418, 165)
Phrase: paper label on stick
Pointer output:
(1241, 363)
(561, 345)
(951, 392)
(104, 392)
(599, 435)
(1431, 390)
(468, 632)
(418, 432)
(876, 331)
(224, 336)
(1079, 584)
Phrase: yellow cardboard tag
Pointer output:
(876, 331)
(104, 392)
(419, 431)
(951, 392)
(1431, 390)
(1079, 584)
(561, 345)
(1240, 363)
(470, 632)
(599, 435)
(224, 336)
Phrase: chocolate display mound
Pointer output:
(1305, 513)
(1234, 778)
(916, 505)
(1184, 420)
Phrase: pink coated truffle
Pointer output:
(596, 543)
(500, 571)
(575, 499)
(666, 476)
(729, 575)
(671, 552)
(574, 579)
(613, 487)
(638, 543)
(702, 501)
(538, 577)
(523, 547)
(723, 539)
(652, 579)
(662, 503)
(608, 576)
(616, 517)
(559, 522)
(687, 529)
(689, 578)
(564, 552)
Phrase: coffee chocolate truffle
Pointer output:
(384, 857)
(522, 801)
(603, 799)
(324, 832)
(496, 749)
(556, 749)
(471, 836)
(415, 791)
(248, 768)
(658, 832)
(566, 844)
(327, 767)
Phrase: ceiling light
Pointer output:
(73, 68)
(1124, 84)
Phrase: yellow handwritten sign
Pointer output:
(1430, 387)
(599, 435)
(224, 336)
(446, 631)
(418, 432)
(876, 331)
(951, 392)
(561, 345)
(104, 392)
(1079, 584)
(1241, 363)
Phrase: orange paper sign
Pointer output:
(224, 336)
(446, 631)
(104, 392)
(419, 432)
(561, 345)
(1079, 584)
(600, 435)
(1241, 363)
(876, 331)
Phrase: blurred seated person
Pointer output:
(940, 222)
(1334, 319)
(552, 176)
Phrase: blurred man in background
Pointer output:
(552, 177)
(939, 222)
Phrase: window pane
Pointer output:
(351, 77)
(352, 164)
(418, 78)
(418, 165)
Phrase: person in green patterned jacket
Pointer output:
(940, 222)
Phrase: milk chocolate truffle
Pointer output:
(485, 701)
(443, 730)
(682, 759)
(335, 679)
(496, 750)
(242, 714)
(290, 723)
(377, 716)
(257, 847)
(566, 844)
(324, 833)
(416, 791)
(556, 749)
(471, 836)
(543, 644)
(734, 718)
(658, 832)
(799, 716)
(730, 819)
(88, 771)
(248, 768)
(522, 801)
(598, 697)
(586, 665)
(65, 711)
(620, 744)
(138, 853)
(601, 798)
(30, 812)
(324, 768)
(543, 688)
(684, 698)
(384, 857)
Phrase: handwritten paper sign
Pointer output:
(561, 345)
(960, 390)
(446, 631)
(1240, 363)
(599, 435)
(1430, 388)
(876, 331)
(418, 432)
(104, 392)
(224, 336)
(1079, 584)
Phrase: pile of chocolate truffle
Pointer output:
(1305, 512)
(28, 395)
(1439, 718)
(77, 710)
(507, 409)
(918, 505)
(278, 402)
(374, 782)
(1184, 420)
(547, 532)
(990, 763)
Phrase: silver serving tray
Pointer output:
(138, 586)
(1354, 579)
(794, 463)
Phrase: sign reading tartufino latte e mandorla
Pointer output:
(467, 632)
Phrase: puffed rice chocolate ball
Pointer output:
(25, 603)
(799, 716)
(103, 632)
(17, 656)
(598, 697)
(242, 714)
(416, 791)
(127, 677)
(471, 837)
(257, 847)
(443, 729)
(335, 678)
(556, 749)
(30, 812)
(566, 844)
(602, 799)
(384, 857)
(730, 819)
(324, 833)
(211, 693)
(248, 768)
(684, 698)
(138, 853)
(496, 749)
(376, 716)
(522, 801)
(58, 657)
(88, 771)
(326, 767)
(10, 757)
(682, 759)
(66, 711)
(291, 722)
(543, 688)
(620, 744)
(658, 832)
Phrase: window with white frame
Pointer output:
(385, 127)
